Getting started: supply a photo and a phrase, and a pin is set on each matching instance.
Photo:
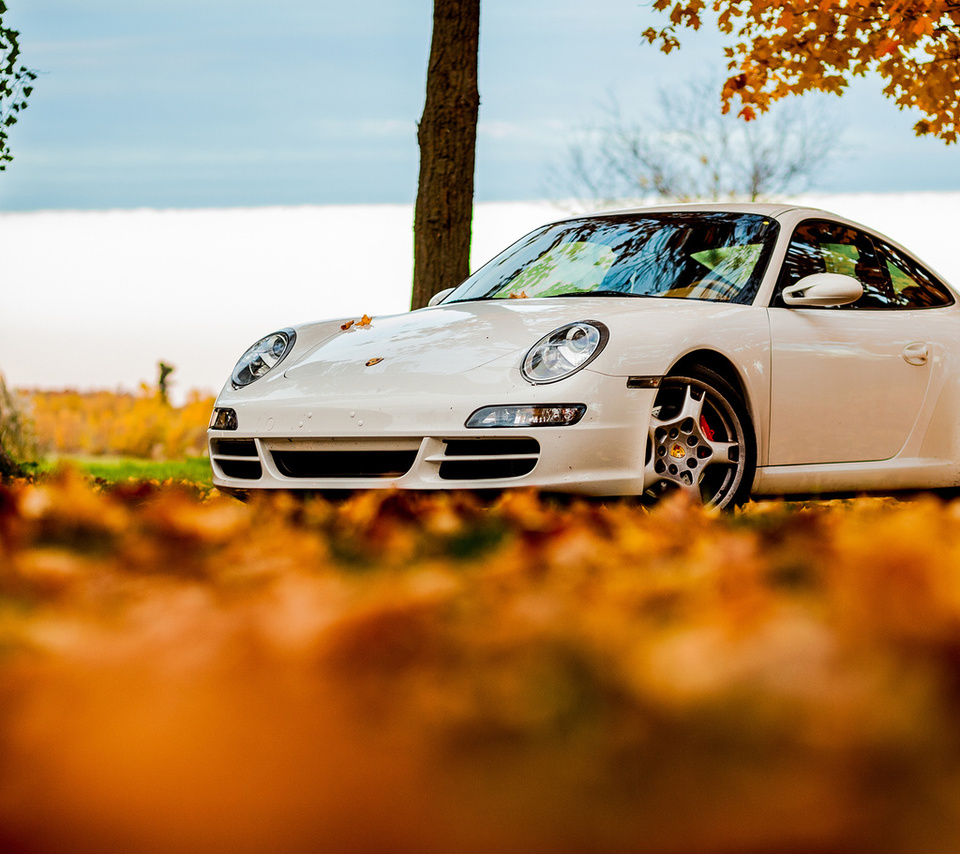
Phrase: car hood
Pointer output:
(457, 338)
(438, 340)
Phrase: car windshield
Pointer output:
(685, 255)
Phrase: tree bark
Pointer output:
(447, 135)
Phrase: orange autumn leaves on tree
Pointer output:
(119, 423)
(781, 49)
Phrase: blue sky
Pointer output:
(223, 103)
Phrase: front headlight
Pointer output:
(564, 351)
(263, 357)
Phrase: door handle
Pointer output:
(916, 353)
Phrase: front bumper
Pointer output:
(396, 443)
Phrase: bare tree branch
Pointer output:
(690, 151)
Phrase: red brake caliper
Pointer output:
(705, 428)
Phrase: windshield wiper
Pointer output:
(550, 296)
(598, 294)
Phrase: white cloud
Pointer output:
(353, 129)
(539, 130)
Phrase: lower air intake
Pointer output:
(345, 464)
(489, 459)
(240, 469)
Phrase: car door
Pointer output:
(847, 382)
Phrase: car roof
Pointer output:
(762, 208)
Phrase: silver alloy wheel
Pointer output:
(697, 442)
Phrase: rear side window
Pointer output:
(912, 285)
(890, 279)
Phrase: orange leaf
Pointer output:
(365, 321)
(734, 84)
(887, 46)
(347, 325)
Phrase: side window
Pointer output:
(825, 247)
(913, 286)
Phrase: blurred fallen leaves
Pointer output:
(180, 672)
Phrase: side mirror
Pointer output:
(823, 289)
(440, 296)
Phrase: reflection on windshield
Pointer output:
(688, 255)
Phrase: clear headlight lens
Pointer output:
(564, 351)
(224, 419)
(532, 415)
(262, 357)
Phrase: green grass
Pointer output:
(119, 469)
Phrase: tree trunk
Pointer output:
(448, 136)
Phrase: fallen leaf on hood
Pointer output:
(366, 320)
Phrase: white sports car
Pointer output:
(727, 350)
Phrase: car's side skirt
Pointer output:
(883, 475)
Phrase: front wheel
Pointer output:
(700, 440)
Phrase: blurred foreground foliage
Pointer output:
(395, 672)
(17, 442)
(142, 424)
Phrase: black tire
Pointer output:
(701, 440)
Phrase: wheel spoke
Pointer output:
(692, 406)
(693, 488)
(724, 453)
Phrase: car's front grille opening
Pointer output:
(490, 447)
(345, 464)
(236, 458)
(233, 447)
(493, 469)
(488, 459)
(240, 469)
